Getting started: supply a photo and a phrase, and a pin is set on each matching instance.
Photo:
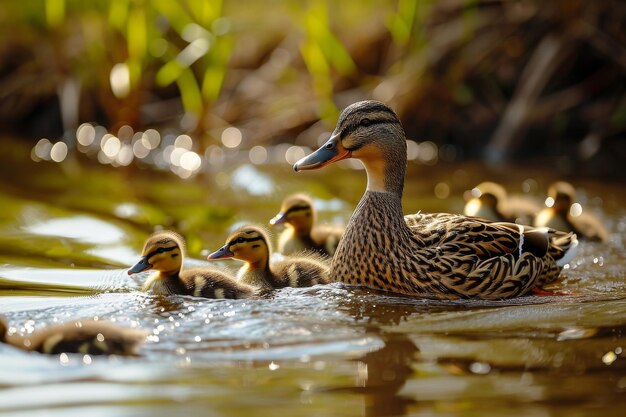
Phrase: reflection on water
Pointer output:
(325, 350)
(82, 228)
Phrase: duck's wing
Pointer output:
(472, 235)
(473, 257)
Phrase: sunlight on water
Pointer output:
(83, 228)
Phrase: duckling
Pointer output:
(87, 337)
(297, 213)
(490, 201)
(563, 214)
(163, 252)
(435, 255)
(252, 245)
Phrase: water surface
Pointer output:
(68, 233)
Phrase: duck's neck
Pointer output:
(386, 174)
(382, 205)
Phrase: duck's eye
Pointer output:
(365, 122)
(240, 240)
(160, 250)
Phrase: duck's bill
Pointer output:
(142, 265)
(280, 218)
(331, 151)
(221, 253)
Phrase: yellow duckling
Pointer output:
(163, 252)
(429, 255)
(252, 245)
(562, 213)
(297, 213)
(490, 201)
(87, 337)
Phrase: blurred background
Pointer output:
(120, 80)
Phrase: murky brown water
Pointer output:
(67, 234)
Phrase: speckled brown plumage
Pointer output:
(251, 244)
(427, 255)
(82, 336)
(164, 252)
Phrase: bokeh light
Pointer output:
(231, 137)
(442, 190)
(119, 79)
(576, 210)
(258, 155)
(58, 152)
(293, 154)
(85, 134)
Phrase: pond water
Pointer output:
(68, 232)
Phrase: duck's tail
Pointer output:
(563, 247)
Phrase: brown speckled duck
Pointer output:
(489, 200)
(297, 213)
(87, 337)
(562, 213)
(251, 244)
(428, 255)
(163, 252)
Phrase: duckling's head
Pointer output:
(489, 193)
(249, 244)
(561, 195)
(371, 132)
(297, 212)
(162, 252)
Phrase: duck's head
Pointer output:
(371, 132)
(249, 244)
(297, 212)
(163, 252)
(561, 195)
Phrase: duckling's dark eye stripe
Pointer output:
(160, 250)
(297, 208)
(244, 239)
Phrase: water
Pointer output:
(68, 233)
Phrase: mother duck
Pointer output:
(435, 255)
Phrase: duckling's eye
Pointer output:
(240, 240)
(160, 250)
(365, 122)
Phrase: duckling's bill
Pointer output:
(280, 218)
(222, 253)
(328, 153)
(140, 266)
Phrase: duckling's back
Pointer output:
(211, 283)
(303, 271)
(87, 337)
